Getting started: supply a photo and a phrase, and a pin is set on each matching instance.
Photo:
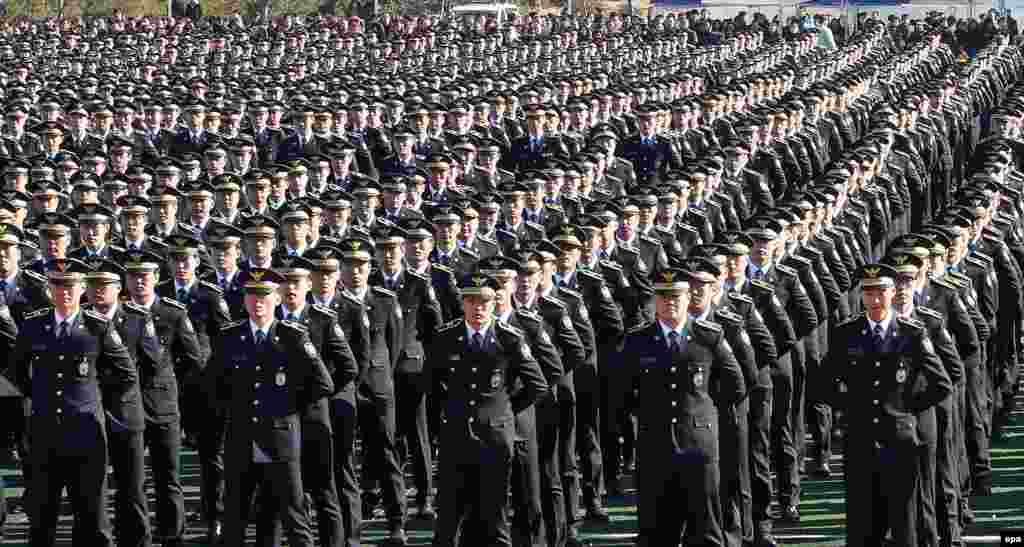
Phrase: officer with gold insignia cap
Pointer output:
(181, 354)
(376, 387)
(263, 373)
(317, 437)
(480, 361)
(885, 373)
(65, 361)
(672, 364)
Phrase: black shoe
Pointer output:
(821, 471)
(397, 535)
(425, 510)
(596, 513)
(790, 515)
(215, 533)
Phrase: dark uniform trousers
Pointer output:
(264, 387)
(884, 385)
(478, 433)
(68, 446)
(678, 479)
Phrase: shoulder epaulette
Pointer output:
(570, 293)
(943, 283)
(293, 325)
(974, 262)
(416, 275)
(505, 327)
(450, 325)
(639, 328)
(470, 252)
(910, 323)
(36, 276)
(173, 303)
(801, 261)
(707, 325)
(552, 301)
(529, 315)
(440, 267)
(134, 308)
(211, 287)
(38, 313)
(611, 265)
(324, 310)
(726, 316)
(587, 274)
(487, 239)
(762, 286)
(740, 297)
(117, 249)
(959, 277)
(851, 320)
(924, 310)
(351, 297)
(782, 268)
(991, 238)
(228, 326)
(686, 228)
(982, 256)
(813, 250)
(157, 241)
(94, 316)
(384, 292)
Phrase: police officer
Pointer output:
(673, 363)
(376, 391)
(317, 454)
(483, 360)
(125, 432)
(422, 313)
(179, 351)
(69, 448)
(265, 371)
(886, 372)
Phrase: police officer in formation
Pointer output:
(533, 273)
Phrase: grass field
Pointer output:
(822, 521)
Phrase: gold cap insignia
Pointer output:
(872, 272)
(900, 259)
(668, 276)
(257, 275)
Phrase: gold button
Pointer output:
(674, 420)
(256, 403)
(472, 419)
(877, 365)
(875, 420)
(472, 386)
(472, 403)
(60, 411)
(875, 401)
(59, 393)
(674, 403)
(255, 419)
(674, 386)
(473, 369)
(876, 383)
(60, 357)
(258, 367)
(673, 369)
(452, 369)
(256, 385)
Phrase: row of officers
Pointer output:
(317, 353)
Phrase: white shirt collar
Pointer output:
(13, 280)
(253, 328)
(470, 331)
(666, 330)
(178, 286)
(60, 319)
(885, 323)
(298, 312)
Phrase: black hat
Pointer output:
(66, 270)
(105, 271)
(671, 281)
(358, 249)
(92, 212)
(139, 261)
(735, 243)
(324, 258)
(478, 284)
(498, 266)
(260, 226)
(221, 233)
(10, 234)
(182, 244)
(699, 269)
(416, 228)
(292, 266)
(905, 263)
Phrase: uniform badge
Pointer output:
(150, 330)
(605, 292)
(187, 325)
(366, 321)
(901, 375)
(496, 379)
(566, 322)
(398, 312)
(310, 349)
(584, 313)
(338, 332)
(745, 338)
(115, 338)
(280, 379)
(83, 368)
(526, 352)
(698, 379)
(224, 307)
(926, 343)
(544, 337)
(431, 296)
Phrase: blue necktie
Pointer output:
(183, 296)
(876, 338)
(260, 337)
(673, 342)
(64, 329)
(478, 342)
